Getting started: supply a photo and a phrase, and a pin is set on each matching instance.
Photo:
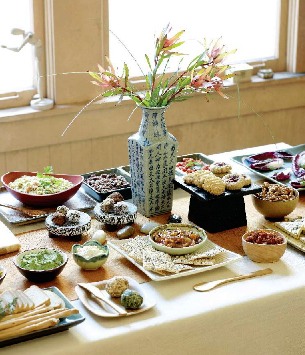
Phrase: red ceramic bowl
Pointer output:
(42, 200)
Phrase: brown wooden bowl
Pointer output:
(264, 253)
(275, 209)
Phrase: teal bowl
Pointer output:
(91, 255)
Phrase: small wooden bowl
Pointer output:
(264, 253)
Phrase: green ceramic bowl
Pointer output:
(182, 227)
(91, 255)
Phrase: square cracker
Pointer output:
(294, 229)
(161, 263)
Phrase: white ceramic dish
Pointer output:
(222, 259)
(101, 309)
(182, 227)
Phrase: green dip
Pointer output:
(41, 260)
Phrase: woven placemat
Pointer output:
(116, 264)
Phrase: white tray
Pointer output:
(222, 259)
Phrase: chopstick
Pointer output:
(99, 294)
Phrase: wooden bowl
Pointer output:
(275, 209)
(264, 253)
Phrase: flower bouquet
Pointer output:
(152, 150)
(203, 74)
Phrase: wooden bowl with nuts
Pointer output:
(275, 201)
(264, 245)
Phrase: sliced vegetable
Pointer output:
(298, 164)
(299, 183)
(269, 155)
(268, 164)
(282, 176)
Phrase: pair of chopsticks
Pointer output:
(96, 292)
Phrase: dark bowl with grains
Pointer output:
(275, 201)
(100, 184)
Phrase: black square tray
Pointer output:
(100, 196)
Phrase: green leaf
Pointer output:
(113, 92)
(148, 62)
(48, 170)
(95, 75)
(126, 70)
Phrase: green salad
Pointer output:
(44, 259)
(41, 184)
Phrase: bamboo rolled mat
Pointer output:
(117, 264)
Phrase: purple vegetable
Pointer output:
(268, 164)
(282, 176)
(299, 183)
(298, 164)
(269, 155)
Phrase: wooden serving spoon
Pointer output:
(207, 286)
(26, 211)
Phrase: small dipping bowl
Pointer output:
(91, 255)
(263, 252)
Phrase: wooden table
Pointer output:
(259, 316)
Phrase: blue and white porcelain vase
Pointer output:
(152, 157)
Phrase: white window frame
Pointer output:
(75, 36)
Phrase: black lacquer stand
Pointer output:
(217, 213)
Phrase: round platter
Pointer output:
(115, 219)
(69, 230)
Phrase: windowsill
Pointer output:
(27, 112)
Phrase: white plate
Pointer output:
(222, 259)
(101, 309)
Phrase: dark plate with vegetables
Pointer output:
(41, 189)
(285, 166)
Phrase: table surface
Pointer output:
(257, 316)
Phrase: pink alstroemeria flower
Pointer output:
(198, 81)
(216, 84)
(107, 78)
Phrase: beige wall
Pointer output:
(272, 111)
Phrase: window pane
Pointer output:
(16, 68)
(251, 27)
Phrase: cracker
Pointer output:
(203, 256)
(202, 262)
(294, 229)
(161, 262)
